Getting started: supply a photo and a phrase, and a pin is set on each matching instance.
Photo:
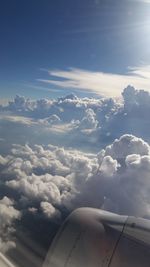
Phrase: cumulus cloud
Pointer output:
(49, 211)
(57, 155)
(126, 145)
(8, 214)
(89, 120)
(52, 179)
(51, 120)
(44, 183)
(21, 103)
(85, 123)
(71, 121)
(134, 99)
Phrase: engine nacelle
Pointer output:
(96, 238)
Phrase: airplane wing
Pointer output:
(5, 262)
(96, 238)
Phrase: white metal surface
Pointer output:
(88, 238)
(95, 238)
(5, 262)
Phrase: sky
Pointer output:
(43, 41)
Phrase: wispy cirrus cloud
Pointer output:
(42, 88)
(102, 83)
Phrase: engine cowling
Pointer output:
(96, 238)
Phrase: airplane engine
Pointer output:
(96, 238)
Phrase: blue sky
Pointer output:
(94, 36)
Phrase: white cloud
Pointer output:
(88, 123)
(107, 84)
(18, 119)
(48, 181)
(126, 145)
(85, 123)
(52, 179)
(142, 71)
(49, 211)
(8, 214)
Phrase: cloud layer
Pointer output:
(48, 180)
(85, 123)
(45, 183)
(57, 155)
